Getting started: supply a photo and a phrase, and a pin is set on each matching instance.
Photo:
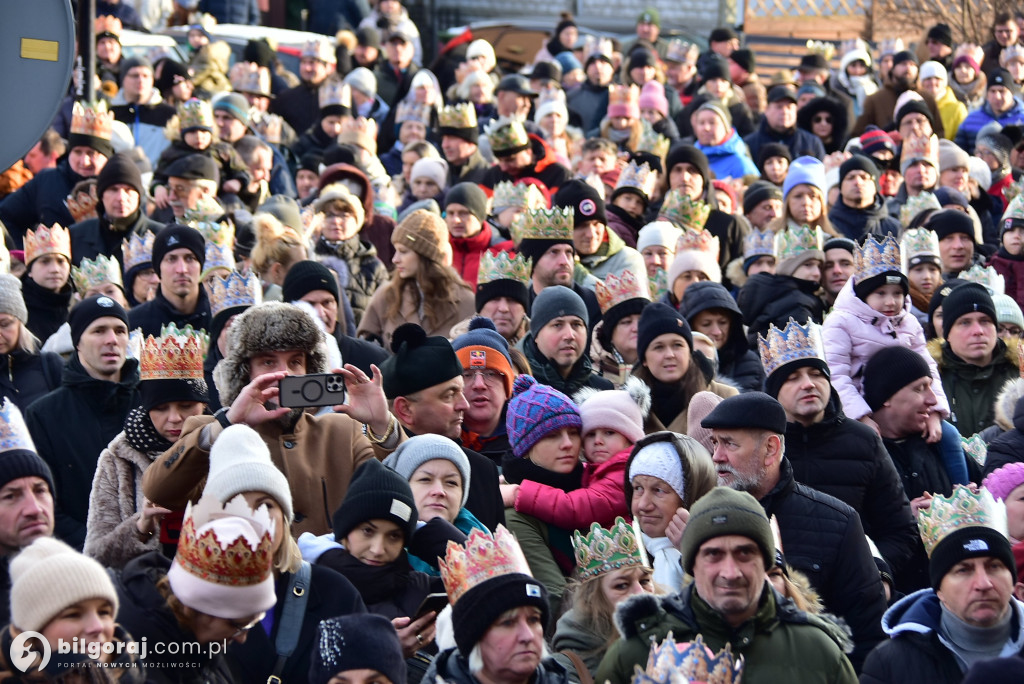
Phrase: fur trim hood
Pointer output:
(1006, 402)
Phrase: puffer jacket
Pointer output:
(856, 224)
(582, 373)
(376, 228)
(26, 377)
(158, 312)
(972, 390)
(452, 667)
(978, 118)
(366, 273)
(768, 299)
(730, 158)
(853, 332)
(1008, 447)
(600, 499)
(736, 359)
(612, 258)
(1011, 267)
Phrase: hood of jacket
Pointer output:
(341, 172)
(848, 302)
(921, 613)
(947, 360)
(611, 246)
(706, 295)
(829, 105)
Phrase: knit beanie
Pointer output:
(694, 260)
(658, 234)
(941, 33)
(773, 149)
(715, 67)
(433, 169)
(259, 52)
(119, 169)
(1001, 77)
(863, 288)
(417, 450)
(553, 302)
(657, 319)
(965, 543)
(661, 460)
(810, 88)
(233, 104)
(469, 195)
(748, 411)
(536, 410)
(239, 463)
(913, 105)
(362, 641)
(968, 298)
(758, 192)
(376, 493)
(484, 348)
(716, 107)
(335, 192)
(417, 362)
(478, 609)
(176, 236)
(48, 576)
(1007, 310)
(888, 371)
(745, 59)
(858, 162)
(1002, 481)
(425, 233)
(804, 171)
(933, 69)
(689, 154)
(947, 196)
(721, 512)
(363, 80)
(584, 199)
(11, 300)
(1000, 145)
(874, 140)
(652, 96)
(88, 310)
(948, 222)
(307, 276)
(619, 410)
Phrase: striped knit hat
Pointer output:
(536, 410)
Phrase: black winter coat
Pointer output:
(736, 360)
(93, 237)
(856, 223)
(800, 142)
(1009, 446)
(589, 299)
(47, 310)
(26, 377)
(158, 312)
(581, 375)
(407, 587)
(767, 298)
(298, 106)
(41, 200)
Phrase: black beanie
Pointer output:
(641, 57)
(758, 192)
(968, 298)
(744, 58)
(470, 196)
(170, 71)
(612, 316)
(418, 362)
(950, 221)
(657, 319)
(689, 154)
(376, 493)
(941, 33)
(21, 462)
(715, 67)
(940, 296)
(773, 383)
(533, 249)
(176, 236)
(584, 199)
(840, 243)
(155, 392)
(119, 170)
(356, 642)
(747, 411)
(259, 52)
(477, 609)
(88, 310)
(913, 107)
(862, 288)
(773, 149)
(307, 276)
(553, 302)
(888, 371)
(503, 287)
(969, 542)
(858, 162)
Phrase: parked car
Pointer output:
(289, 43)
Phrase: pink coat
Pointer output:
(601, 498)
(853, 332)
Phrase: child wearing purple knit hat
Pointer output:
(1007, 485)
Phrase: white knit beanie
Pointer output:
(240, 462)
(363, 80)
(434, 169)
(694, 260)
(660, 460)
(11, 300)
(658, 233)
(415, 451)
(49, 576)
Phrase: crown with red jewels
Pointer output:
(792, 343)
(82, 204)
(335, 92)
(175, 355)
(94, 120)
(137, 249)
(108, 25)
(653, 142)
(682, 52)
(987, 276)
(247, 77)
(698, 241)
(462, 115)
(14, 434)
(918, 242)
(233, 290)
(617, 289)
(482, 558)
(92, 273)
(963, 510)
(874, 258)
(641, 177)
(759, 243)
(797, 240)
(506, 134)
(41, 241)
(504, 266)
(603, 550)
(521, 195)
(195, 113)
(689, 663)
(543, 224)
(684, 212)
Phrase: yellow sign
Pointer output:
(44, 50)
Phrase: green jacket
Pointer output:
(779, 644)
(612, 257)
(972, 390)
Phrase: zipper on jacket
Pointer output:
(327, 512)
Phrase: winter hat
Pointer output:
(716, 107)
(782, 92)
(661, 460)
(1002, 481)
(425, 233)
(715, 67)
(483, 347)
(657, 319)
(745, 59)
(417, 362)
(620, 410)
(417, 450)
(568, 61)
(700, 406)
(810, 88)
(772, 149)
(889, 370)
(689, 154)
(536, 410)
(307, 276)
(48, 576)
(694, 260)
(968, 298)
(1001, 77)
(941, 33)
(239, 463)
(233, 104)
(132, 62)
(11, 300)
(362, 641)
(470, 196)
(758, 192)
(840, 243)
(363, 80)
(911, 105)
(1000, 145)
(950, 221)
(722, 34)
(482, 48)
(376, 493)
(434, 169)
(1007, 310)
(640, 57)
(804, 171)
(858, 162)
(119, 169)
(748, 411)
(18, 456)
(259, 52)
(903, 56)
(584, 199)
(553, 302)
(176, 236)
(658, 233)
(721, 512)
(88, 310)
(652, 96)
(874, 140)
(335, 192)
(933, 69)
(476, 610)
(980, 173)
(947, 196)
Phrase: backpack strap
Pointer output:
(292, 614)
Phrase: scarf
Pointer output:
(376, 584)
(970, 643)
(142, 435)
(516, 470)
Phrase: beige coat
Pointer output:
(679, 423)
(377, 325)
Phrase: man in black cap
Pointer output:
(879, 108)
(1001, 105)
(860, 210)
(367, 53)
(74, 423)
(821, 536)
(838, 266)
(722, 41)
(939, 43)
(190, 180)
(178, 255)
(513, 98)
(394, 76)
(957, 248)
(602, 252)
(778, 124)
(762, 203)
(138, 105)
(743, 70)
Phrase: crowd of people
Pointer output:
(630, 358)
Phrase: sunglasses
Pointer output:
(822, 118)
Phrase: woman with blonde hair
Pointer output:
(25, 372)
(803, 198)
(277, 249)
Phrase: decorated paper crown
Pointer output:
(972, 50)
(108, 25)
(175, 355)
(658, 284)
(624, 96)
(960, 511)
(248, 77)
(698, 241)
(689, 663)
(987, 276)
(504, 266)
(195, 113)
(269, 127)
(792, 343)
(684, 212)
(617, 289)
(219, 233)
(94, 120)
(975, 447)
(918, 242)
(137, 249)
(319, 48)
(890, 46)
(233, 290)
(874, 257)
(543, 224)
(41, 241)
(207, 209)
(413, 111)
(482, 558)
(640, 177)
(14, 434)
(335, 92)
(920, 147)
(797, 240)
(1013, 191)
(82, 204)
(759, 243)
(1011, 53)
(682, 51)
(604, 550)
(848, 46)
(915, 205)
(92, 273)
(597, 47)
(821, 47)
(462, 115)
(525, 196)
(359, 131)
(653, 142)
(506, 134)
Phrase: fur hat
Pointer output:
(620, 410)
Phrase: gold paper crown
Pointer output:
(137, 249)
(14, 434)
(603, 550)
(462, 115)
(915, 205)
(918, 242)
(653, 142)
(413, 111)
(94, 120)
(524, 196)
(359, 131)
(175, 355)
(821, 47)
(504, 266)
(921, 147)
(684, 212)
(92, 273)
(241, 561)
(319, 48)
(334, 91)
(759, 243)
(206, 209)
(640, 177)
(233, 290)
(793, 343)
(698, 241)
(506, 134)
(109, 25)
(615, 290)
(963, 510)
(689, 663)
(247, 77)
(543, 224)
(1013, 190)
(658, 284)
(987, 276)
(82, 204)
(874, 258)
(41, 241)
(975, 447)
(624, 96)
(682, 51)
(482, 558)
(195, 113)
(793, 241)
(222, 234)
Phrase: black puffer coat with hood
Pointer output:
(736, 360)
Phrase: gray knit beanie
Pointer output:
(553, 302)
(11, 301)
(415, 451)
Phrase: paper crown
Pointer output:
(137, 249)
(233, 290)
(319, 48)
(684, 212)
(759, 243)
(504, 266)
(462, 115)
(1013, 190)
(658, 284)
(924, 201)
(270, 127)
(682, 51)
(41, 241)
(108, 25)
(972, 50)
(797, 240)
(525, 196)
(874, 258)
(617, 289)
(92, 273)
(639, 177)
(14, 434)
(506, 134)
(195, 113)
(82, 204)
(821, 47)
(964, 509)
(248, 77)
(698, 241)
(689, 663)
(359, 131)
(987, 276)
(624, 96)
(207, 209)
(482, 558)
(597, 47)
(221, 234)
(413, 111)
(918, 242)
(217, 257)
(603, 550)
(335, 92)
(848, 46)
(975, 448)
(175, 355)
(653, 142)
(890, 46)
(92, 119)
(921, 147)
(543, 224)
(793, 343)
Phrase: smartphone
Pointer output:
(317, 389)
(432, 602)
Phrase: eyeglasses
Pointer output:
(491, 377)
(1011, 330)
(339, 214)
(242, 629)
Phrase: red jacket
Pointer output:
(466, 252)
(1012, 270)
(601, 498)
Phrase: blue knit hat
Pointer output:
(804, 170)
(536, 410)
